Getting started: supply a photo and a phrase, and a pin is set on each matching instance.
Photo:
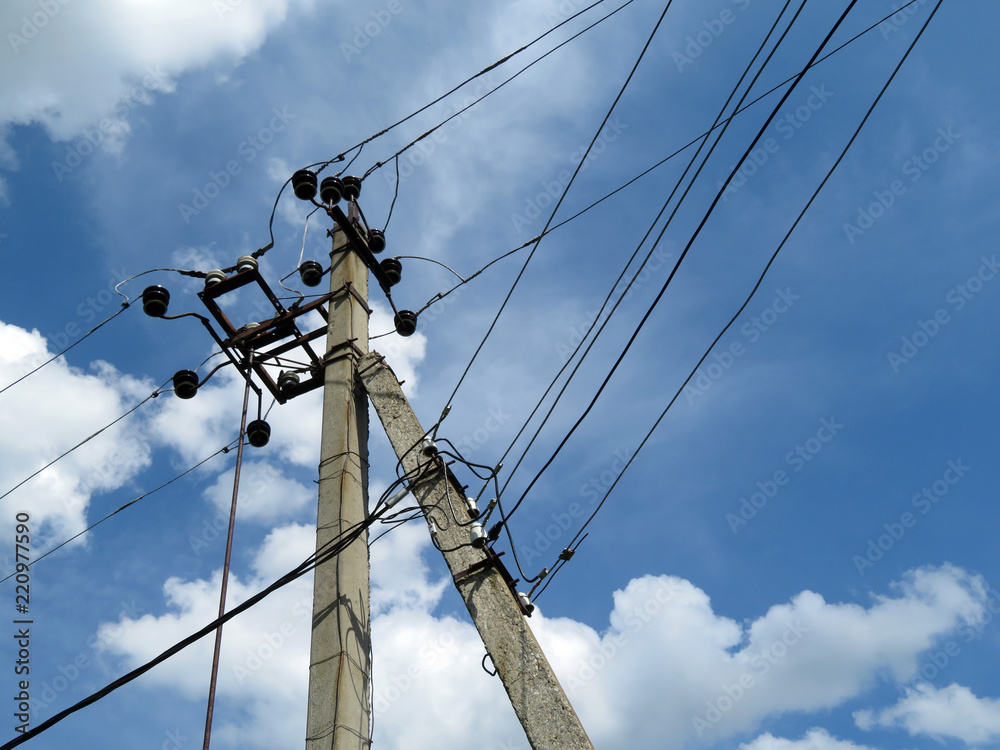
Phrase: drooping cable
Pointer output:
(753, 291)
(565, 192)
(27, 479)
(687, 248)
(224, 449)
(54, 357)
(680, 181)
(395, 195)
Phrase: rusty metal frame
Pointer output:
(245, 346)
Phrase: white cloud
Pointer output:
(953, 712)
(265, 651)
(666, 660)
(128, 47)
(814, 739)
(400, 577)
(55, 409)
(266, 495)
(805, 655)
(197, 259)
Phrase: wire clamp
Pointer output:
(474, 568)
(335, 353)
(357, 296)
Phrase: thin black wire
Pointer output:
(565, 192)
(122, 309)
(24, 481)
(380, 164)
(441, 295)
(481, 73)
(395, 524)
(652, 226)
(687, 248)
(331, 550)
(359, 146)
(395, 195)
(181, 271)
(525, 576)
(225, 449)
(756, 286)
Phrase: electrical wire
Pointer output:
(687, 248)
(181, 271)
(754, 290)
(395, 195)
(184, 473)
(27, 479)
(628, 263)
(415, 141)
(441, 295)
(565, 192)
(328, 552)
(470, 79)
(54, 357)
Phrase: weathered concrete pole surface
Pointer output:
(339, 664)
(539, 701)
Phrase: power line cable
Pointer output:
(565, 192)
(753, 291)
(122, 309)
(24, 481)
(524, 267)
(481, 73)
(628, 263)
(504, 517)
(687, 248)
(330, 551)
(441, 295)
(379, 165)
(224, 449)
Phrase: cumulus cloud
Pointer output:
(265, 653)
(55, 409)
(953, 712)
(814, 739)
(721, 678)
(266, 495)
(131, 50)
(666, 659)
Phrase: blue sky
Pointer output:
(799, 558)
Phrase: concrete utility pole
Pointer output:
(536, 695)
(339, 664)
